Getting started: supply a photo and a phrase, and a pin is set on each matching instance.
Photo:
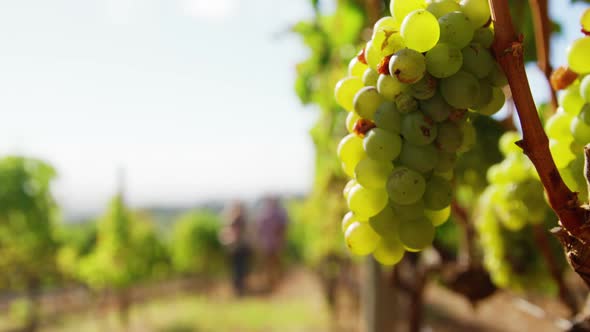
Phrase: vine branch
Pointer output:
(466, 255)
(508, 48)
(417, 300)
(542, 242)
(542, 30)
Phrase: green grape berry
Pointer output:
(385, 222)
(442, 7)
(460, 90)
(405, 186)
(409, 211)
(424, 88)
(407, 65)
(345, 91)
(388, 117)
(356, 68)
(455, 29)
(577, 55)
(438, 193)
(389, 251)
(585, 88)
(484, 37)
(351, 120)
(436, 108)
(366, 202)
(366, 102)
(399, 9)
(477, 60)
(348, 219)
(478, 11)
(422, 158)
(418, 129)
(347, 188)
(390, 87)
(438, 217)
(372, 174)
(382, 145)
(361, 239)
(416, 234)
(443, 60)
(420, 30)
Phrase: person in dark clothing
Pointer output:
(272, 222)
(233, 236)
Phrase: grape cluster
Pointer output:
(515, 193)
(512, 257)
(410, 93)
(569, 128)
(506, 210)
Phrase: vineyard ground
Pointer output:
(297, 306)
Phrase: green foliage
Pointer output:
(127, 250)
(74, 241)
(195, 245)
(296, 242)
(81, 237)
(19, 310)
(317, 221)
(154, 260)
(332, 40)
(27, 215)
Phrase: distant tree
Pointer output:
(195, 245)
(152, 259)
(127, 251)
(27, 218)
(75, 241)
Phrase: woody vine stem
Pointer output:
(508, 49)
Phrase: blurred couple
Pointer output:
(266, 237)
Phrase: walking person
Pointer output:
(272, 224)
(233, 237)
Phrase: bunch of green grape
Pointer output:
(512, 257)
(506, 211)
(515, 193)
(410, 94)
(569, 128)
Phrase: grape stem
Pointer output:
(508, 49)
(542, 30)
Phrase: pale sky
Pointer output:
(193, 98)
